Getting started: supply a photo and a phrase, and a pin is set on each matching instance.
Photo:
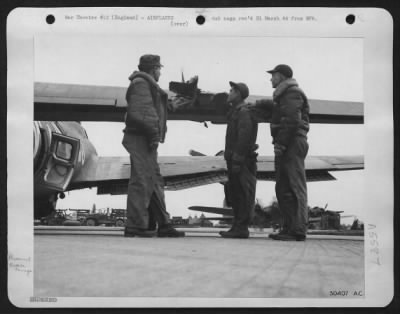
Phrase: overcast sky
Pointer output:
(326, 68)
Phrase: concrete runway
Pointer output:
(199, 265)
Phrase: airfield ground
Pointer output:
(100, 262)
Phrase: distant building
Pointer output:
(205, 222)
(199, 221)
(194, 221)
(178, 220)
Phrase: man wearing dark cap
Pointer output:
(241, 160)
(289, 115)
(145, 128)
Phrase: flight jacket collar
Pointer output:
(283, 86)
(149, 79)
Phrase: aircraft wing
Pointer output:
(317, 167)
(111, 174)
(70, 102)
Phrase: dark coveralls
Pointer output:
(145, 122)
(289, 113)
(240, 146)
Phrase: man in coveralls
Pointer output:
(289, 113)
(145, 128)
(241, 160)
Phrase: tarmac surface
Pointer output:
(100, 262)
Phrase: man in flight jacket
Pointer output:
(146, 126)
(289, 114)
(241, 160)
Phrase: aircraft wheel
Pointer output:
(119, 223)
(90, 222)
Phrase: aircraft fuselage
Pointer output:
(61, 150)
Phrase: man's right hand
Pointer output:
(153, 145)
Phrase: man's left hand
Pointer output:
(153, 145)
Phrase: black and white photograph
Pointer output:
(213, 157)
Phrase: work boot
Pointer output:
(235, 234)
(274, 235)
(290, 237)
(232, 229)
(167, 231)
(138, 232)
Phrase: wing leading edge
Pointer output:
(70, 102)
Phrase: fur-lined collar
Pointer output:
(283, 86)
(148, 78)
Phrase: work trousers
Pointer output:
(291, 186)
(146, 200)
(242, 192)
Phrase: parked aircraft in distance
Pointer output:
(270, 216)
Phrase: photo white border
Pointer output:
(374, 25)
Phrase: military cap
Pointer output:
(283, 69)
(150, 60)
(242, 88)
